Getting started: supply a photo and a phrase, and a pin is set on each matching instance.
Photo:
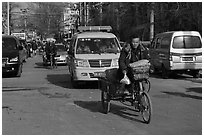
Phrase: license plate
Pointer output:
(99, 74)
(187, 59)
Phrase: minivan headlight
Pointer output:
(14, 59)
(81, 63)
(115, 63)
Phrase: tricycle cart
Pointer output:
(139, 99)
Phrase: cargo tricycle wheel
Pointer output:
(146, 107)
(105, 100)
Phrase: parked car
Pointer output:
(91, 52)
(61, 54)
(12, 55)
(178, 51)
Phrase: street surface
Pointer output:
(42, 102)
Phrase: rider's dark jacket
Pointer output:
(129, 55)
(50, 48)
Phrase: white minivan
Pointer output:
(177, 51)
(91, 52)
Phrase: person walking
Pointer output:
(34, 47)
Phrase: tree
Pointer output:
(46, 17)
(132, 18)
(12, 6)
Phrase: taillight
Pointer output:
(173, 54)
(170, 57)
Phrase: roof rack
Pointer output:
(95, 28)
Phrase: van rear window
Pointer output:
(186, 42)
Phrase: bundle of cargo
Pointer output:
(140, 69)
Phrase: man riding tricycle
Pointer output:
(127, 84)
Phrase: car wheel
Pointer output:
(165, 72)
(196, 74)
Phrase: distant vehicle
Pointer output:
(61, 54)
(12, 55)
(19, 35)
(50, 39)
(91, 52)
(177, 51)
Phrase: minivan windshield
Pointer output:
(9, 43)
(97, 46)
(186, 42)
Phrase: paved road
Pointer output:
(42, 102)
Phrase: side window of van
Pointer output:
(153, 43)
(165, 43)
(158, 43)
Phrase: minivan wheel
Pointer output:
(196, 74)
(165, 72)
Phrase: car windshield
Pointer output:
(9, 43)
(97, 46)
(187, 42)
(61, 47)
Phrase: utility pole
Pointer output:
(101, 14)
(25, 11)
(48, 29)
(85, 14)
(8, 18)
(80, 13)
(118, 20)
(152, 21)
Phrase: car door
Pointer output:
(157, 53)
(153, 53)
(164, 52)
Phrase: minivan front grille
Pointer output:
(100, 63)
